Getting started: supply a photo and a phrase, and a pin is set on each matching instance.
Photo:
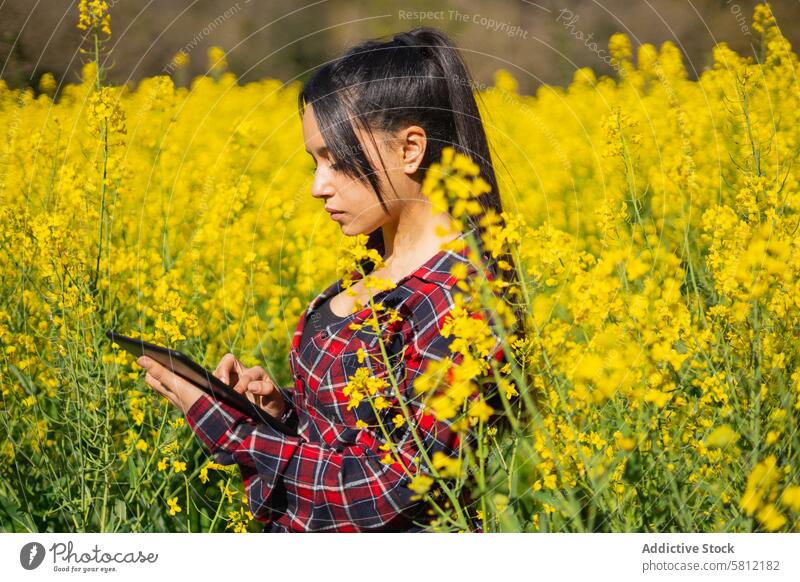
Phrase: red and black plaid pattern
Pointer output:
(330, 477)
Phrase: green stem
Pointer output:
(420, 446)
(219, 506)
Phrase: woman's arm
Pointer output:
(345, 488)
(327, 489)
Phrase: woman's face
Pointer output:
(353, 203)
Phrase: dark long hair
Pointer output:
(416, 77)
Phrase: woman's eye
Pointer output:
(337, 167)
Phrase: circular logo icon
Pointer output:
(31, 555)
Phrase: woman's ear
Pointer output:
(414, 143)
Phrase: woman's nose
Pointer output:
(321, 186)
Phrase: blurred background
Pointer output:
(539, 42)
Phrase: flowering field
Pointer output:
(653, 220)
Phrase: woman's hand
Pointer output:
(174, 388)
(254, 383)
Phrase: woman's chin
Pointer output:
(349, 229)
(352, 228)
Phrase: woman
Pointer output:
(398, 104)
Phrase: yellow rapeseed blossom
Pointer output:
(173, 506)
(770, 517)
(790, 498)
(47, 84)
(446, 465)
(722, 436)
(180, 60)
(93, 14)
(420, 484)
(761, 486)
(217, 62)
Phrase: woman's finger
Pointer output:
(158, 387)
(223, 369)
(239, 368)
(262, 387)
(178, 391)
(161, 376)
(245, 377)
(151, 381)
(168, 380)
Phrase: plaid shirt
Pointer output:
(331, 476)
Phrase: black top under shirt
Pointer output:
(317, 320)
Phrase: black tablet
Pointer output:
(186, 368)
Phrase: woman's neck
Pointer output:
(412, 239)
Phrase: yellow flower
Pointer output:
(453, 184)
(619, 45)
(722, 436)
(771, 518)
(138, 417)
(47, 85)
(762, 479)
(374, 384)
(420, 484)
(216, 60)
(448, 466)
(178, 466)
(173, 506)
(381, 403)
(93, 14)
(106, 114)
(459, 271)
(623, 442)
(177, 423)
(790, 498)
(658, 397)
(180, 60)
(480, 410)
(227, 491)
(509, 388)
(170, 447)
(505, 81)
